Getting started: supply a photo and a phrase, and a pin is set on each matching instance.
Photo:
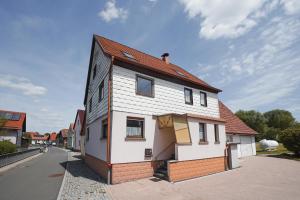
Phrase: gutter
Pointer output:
(108, 142)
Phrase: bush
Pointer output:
(291, 139)
(7, 147)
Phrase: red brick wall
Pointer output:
(132, 171)
(182, 170)
(99, 166)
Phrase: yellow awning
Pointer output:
(178, 124)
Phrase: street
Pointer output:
(39, 178)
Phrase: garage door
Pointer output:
(246, 146)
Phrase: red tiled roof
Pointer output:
(14, 124)
(149, 62)
(39, 137)
(80, 114)
(233, 123)
(53, 136)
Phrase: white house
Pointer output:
(13, 125)
(145, 116)
(70, 137)
(78, 137)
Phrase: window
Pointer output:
(87, 134)
(95, 71)
(101, 91)
(128, 55)
(180, 73)
(202, 133)
(217, 139)
(188, 96)
(104, 129)
(144, 86)
(135, 127)
(203, 99)
(229, 138)
(91, 104)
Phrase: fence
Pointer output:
(10, 158)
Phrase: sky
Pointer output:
(250, 49)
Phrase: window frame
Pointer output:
(191, 96)
(217, 134)
(136, 86)
(204, 141)
(101, 92)
(205, 100)
(142, 137)
(104, 122)
(90, 104)
(94, 71)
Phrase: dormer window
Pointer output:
(180, 73)
(128, 55)
(95, 71)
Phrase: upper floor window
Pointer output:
(135, 127)
(144, 86)
(87, 134)
(216, 130)
(104, 129)
(202, 133)
(203, 99)
(90, 104)
(94, 71)
(188, 96)
(101, 91)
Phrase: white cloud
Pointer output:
(21, 84)
(233, 18)
(291, 6)
(112, 12)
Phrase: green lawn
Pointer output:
(280, 152)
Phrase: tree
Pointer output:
(271, 134)
(253, 119)
(291, 139)
(281, 119)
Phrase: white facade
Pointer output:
(14, 136)
(77, 130)
(95, 146)
(246, 145)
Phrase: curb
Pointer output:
(15, 164)
(64, 179)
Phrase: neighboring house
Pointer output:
(36, 138)
(52, 138)
(13, 127)
(70, 137)
(61, 138)
(78, 124)
(238, 132)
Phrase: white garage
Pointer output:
(238, 132)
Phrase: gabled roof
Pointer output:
(53, 136)
(14, 120)
(142, 60)
(80, 114)
(233, 124)
(64, 133)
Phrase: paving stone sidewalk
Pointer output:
(81, 182)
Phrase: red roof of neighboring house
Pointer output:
(53, 136)
(233, 123)
(64, 132)
(15, 120)
(39, 137)
(80, 114)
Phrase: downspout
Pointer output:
(108, 143)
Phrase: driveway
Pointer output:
(259, 178)
(37, 179)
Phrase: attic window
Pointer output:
(180, 73)
(128, 55)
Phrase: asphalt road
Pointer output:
(37, 179)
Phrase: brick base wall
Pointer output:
(182, 170)
(133, 171)
(99, 166)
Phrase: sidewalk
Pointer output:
(81, 182)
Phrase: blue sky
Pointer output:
(250, 49)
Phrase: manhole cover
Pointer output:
(55, 175)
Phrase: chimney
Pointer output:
(165, 57)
